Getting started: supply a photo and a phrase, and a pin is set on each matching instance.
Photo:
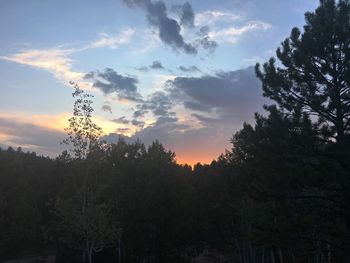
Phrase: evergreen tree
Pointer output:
(315, 69)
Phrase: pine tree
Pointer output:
(315, 69)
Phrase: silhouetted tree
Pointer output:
(85, 221)
(295, 181)
(314, 71)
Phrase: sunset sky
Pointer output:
(179, 72)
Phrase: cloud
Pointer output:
(222, 30)
(57, 60)
(227, 96)
(205, 40)
(166, 119)
(231, 92)
(231, 34)
(169, 30)
(211, 17)
(112, 41)
(205, 119)
(121, 120)
(195, 105)
(144, 69)
(140, 112)
(155, 65)
(159, 103)
(31, 137)
(54, 60)
(107, 107)
(137, 123)
(110, 81)
(157, 107)
(52, 122)
(189, 69)
(186, 14)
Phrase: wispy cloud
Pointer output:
(232, 34)
(189, 69)
(53, 60)
(58, 61)
(226, 26)
(113, 41)
(211, 17)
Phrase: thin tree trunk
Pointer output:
(263, 256)
(90, 255)
(239, 251)
(329, 253)
(293, 257)
(272, 256)
(281, 256)
(119, 251)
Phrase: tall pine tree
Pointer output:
(314, 71)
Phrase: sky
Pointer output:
(174, 71)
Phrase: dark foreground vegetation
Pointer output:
(281, 194)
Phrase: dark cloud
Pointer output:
(140, 112)
(114, 137)
(197, 106)
(189, 69)
(107, 107)
(207, 44)
(169, 31)
(205, 119)
(32, 137)
(137, 123)
(204, 40)
(166, 119)
(109, 81)
(121, 120)
(233, 92)
(165, 131)
(186, 14)
(144, 69)
(159, 103)
(155, 65)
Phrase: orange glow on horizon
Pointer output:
(185, 157)
(193, 160)
(191, 154)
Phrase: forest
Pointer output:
(281, 193)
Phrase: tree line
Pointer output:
(281, 194)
